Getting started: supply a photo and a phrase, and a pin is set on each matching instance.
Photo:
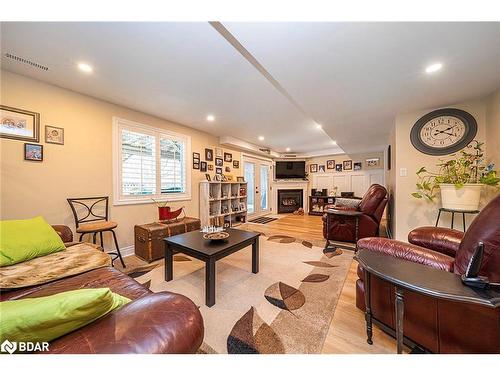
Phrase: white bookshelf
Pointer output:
(223, 203)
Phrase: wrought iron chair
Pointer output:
(88, 220)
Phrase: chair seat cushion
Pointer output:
(96, 227)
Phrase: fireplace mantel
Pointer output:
(292, 185)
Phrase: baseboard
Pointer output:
(127, 250)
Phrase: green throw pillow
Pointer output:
(44, 319)
(22, 240)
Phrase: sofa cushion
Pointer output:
(44, 319)
(23, 240)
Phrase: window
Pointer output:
(149, 163)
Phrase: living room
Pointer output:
(223, 187)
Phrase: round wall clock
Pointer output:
(443, 131)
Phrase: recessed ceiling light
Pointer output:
(334, 142)
(288, 149)
(86, 68)
(261, 138)
(433, 68)
(318, 126)
(210, 118)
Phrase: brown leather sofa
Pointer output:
(151, 323)
(343, 228)
(441, 326)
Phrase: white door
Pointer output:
(257, 174)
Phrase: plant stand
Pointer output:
(453, 212)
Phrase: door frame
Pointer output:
(258, 162)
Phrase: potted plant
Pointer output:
(460, 180)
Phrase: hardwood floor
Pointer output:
(347, 333)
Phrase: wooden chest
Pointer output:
(149, 243)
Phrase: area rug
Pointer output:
(285, 308)
(263, 220)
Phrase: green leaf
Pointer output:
(417, 195)
(421, 170)
(459, 185)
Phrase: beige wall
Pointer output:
(493, 128)
(83, 165)
(410, 212)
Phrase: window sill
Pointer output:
(125, 202)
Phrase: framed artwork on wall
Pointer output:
(347, 164)
(313, 168)
(54, 135)
(196, 156)
(203, 166)
(209, 154)
(218, 170)
(19, 124)
(207, 177)
(228, 169)
(210, 167)
(228, 157)
(321, 169)
(218, 152)
(219, 162)
(357, 166)
(33, 152)
(373, 162)
(338, 167)
(236, 164)
(330, 164)
(196, 164)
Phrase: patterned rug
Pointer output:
(263, 220)
(286, 308)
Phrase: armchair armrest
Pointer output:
(156, 323)
(407, 251)
(64, 232)
(443, 240)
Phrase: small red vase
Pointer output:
(164, 213)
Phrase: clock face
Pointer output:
(443, 131)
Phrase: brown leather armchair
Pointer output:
(435, 325)
(151, 323)
(337, 227)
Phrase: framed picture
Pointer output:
(228, 169)
(218, 170)
(19, 124)
(236, 164)
(210, 167)
(33, 152)
(228, 157)
(219, 162)
(357, 166)
(240, 179)
(338, 167)
(321, 169)
(313, 168)
(196, 164)
(372, 162)
(330, 164)
(209, 154)
(218, 152)
(389, 158)
(203, 166)
(347, 165)
(196, 157)
(54, 135)
(207, 177)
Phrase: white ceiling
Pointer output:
(353, 78)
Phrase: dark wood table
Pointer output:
(406, 275)
(346, 213)
(453, 212)
(193, 244)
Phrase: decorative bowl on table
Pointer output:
(216, 236)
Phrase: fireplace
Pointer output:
(289, 200)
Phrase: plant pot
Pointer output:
(465, 198)
(164, 213)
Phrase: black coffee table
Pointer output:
(193, 244)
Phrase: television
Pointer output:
(290, 169)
